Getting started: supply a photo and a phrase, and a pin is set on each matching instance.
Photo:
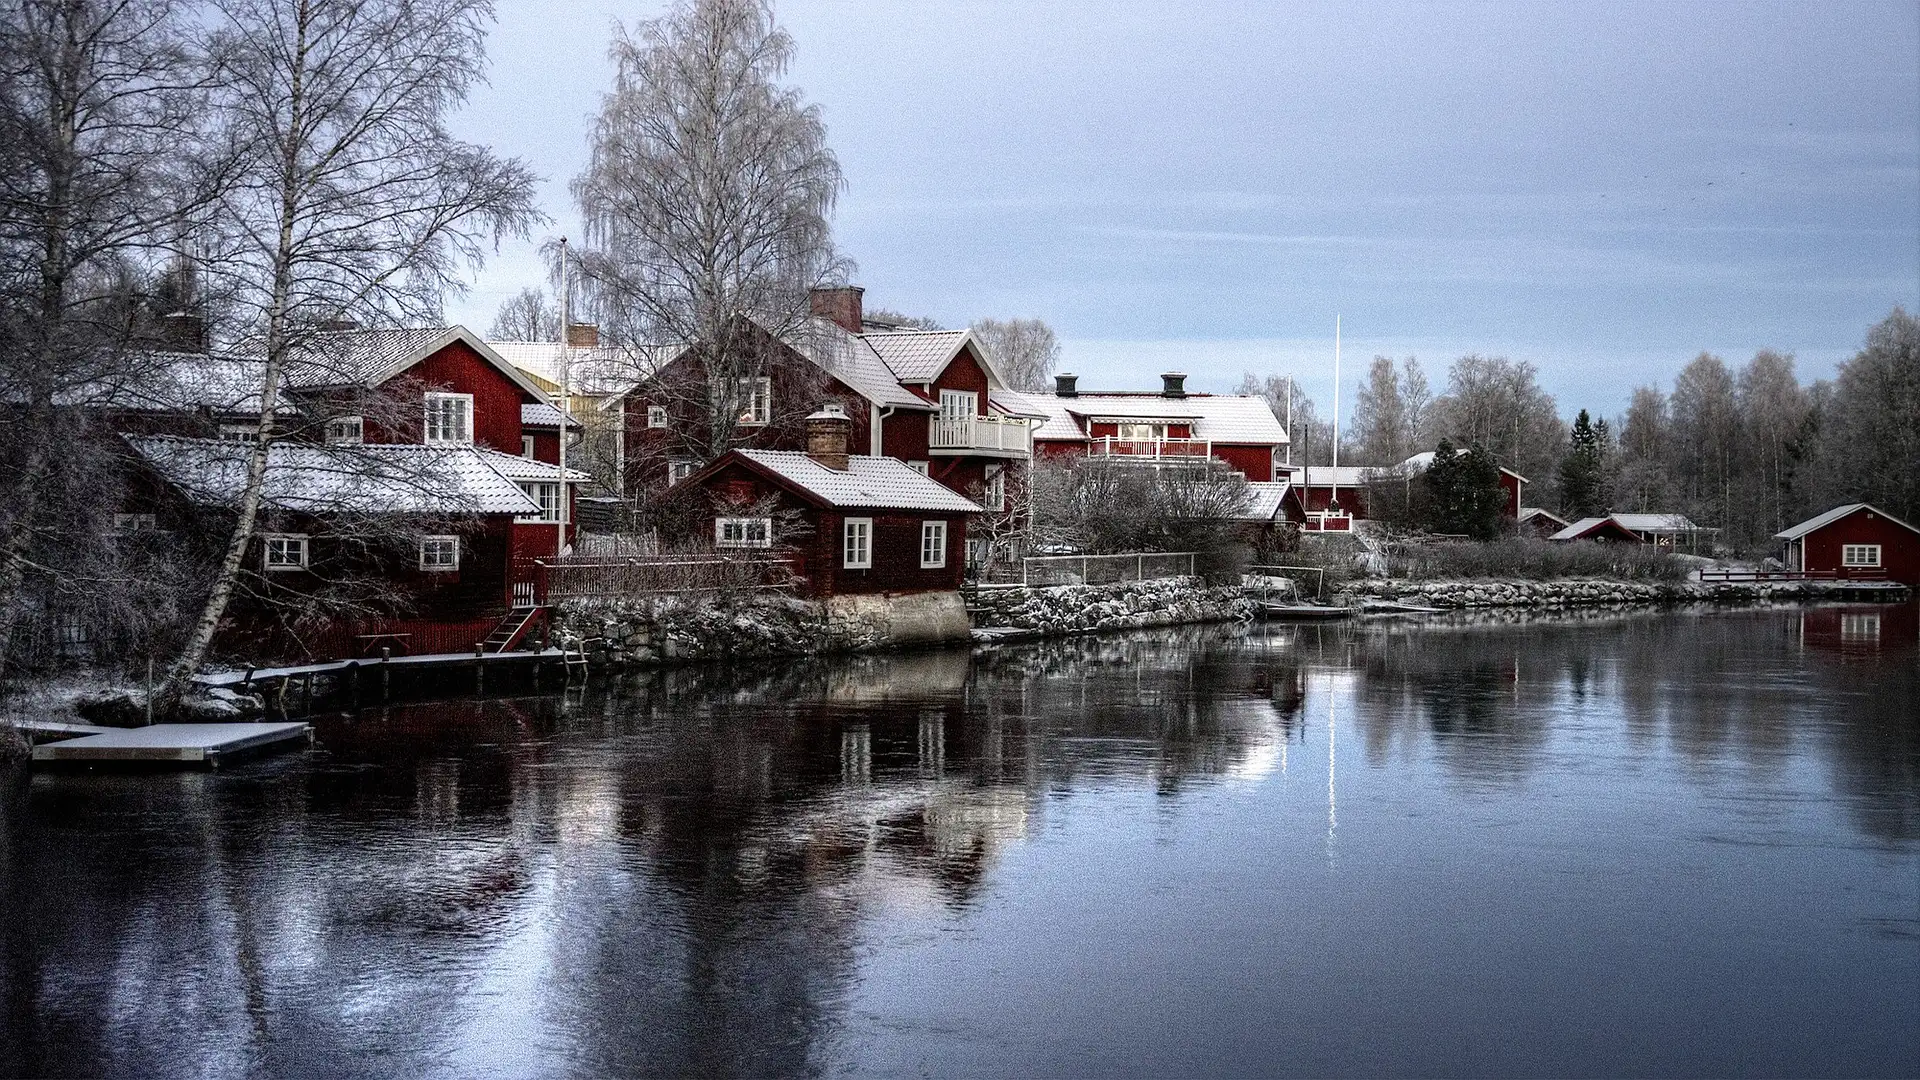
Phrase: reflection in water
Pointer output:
(1647, 843)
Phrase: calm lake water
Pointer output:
(1679, 844)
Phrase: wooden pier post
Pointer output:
(386, 655)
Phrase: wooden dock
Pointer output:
(186, 744)
(373, 665)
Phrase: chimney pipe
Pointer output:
(183, 331)
(828, 432)
(839, 305)
(1063, 385)
(1173, 384)
(583, 335)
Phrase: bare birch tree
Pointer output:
(97, 133)
(707, 202)
(528, 316)
(1024, 351)
(351, 199)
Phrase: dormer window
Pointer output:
(345, 430)
(449, 418)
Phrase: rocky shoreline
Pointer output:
(1080, 609)
(1583, 591)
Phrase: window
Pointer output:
(1142, 432)
(857, 544)
(1860, 555)
(238, 432)
(133, 523)
(526, 446)
(933, 544)
(285, 551)
(656, 416)
(548, 496)
(345, 430)
(449, 418)
(680, 470)
(918, 466)
(996, 498)
(741, 532)
(759, 400)
(439, 553)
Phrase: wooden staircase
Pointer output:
(511, 626)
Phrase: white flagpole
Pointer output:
(1335, 497)
(566, 363)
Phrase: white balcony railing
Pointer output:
(995, 434)
(1152, 449)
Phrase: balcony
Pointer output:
(990, 436)
(1151, 450)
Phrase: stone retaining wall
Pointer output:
(1579, 591)
(644, 632)
(1075, 609)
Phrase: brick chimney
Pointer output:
(183, 331)
(583, 335)
(1173, 384)
(1064, 385)
(828, 432)
(839, 305)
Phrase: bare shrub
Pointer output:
(1535, 560)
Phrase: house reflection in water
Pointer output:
(1859, 630)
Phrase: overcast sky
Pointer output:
(1604, 190)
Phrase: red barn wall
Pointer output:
(963, 372)
(1513, 487)
(1256, 462)
(1899, 548)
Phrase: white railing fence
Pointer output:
(978, 433)
(1152, 449)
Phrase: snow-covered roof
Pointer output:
(1265, 501)
(371, 357)
(853, 361)
(517, 467)
(1528, 513)
(162, 381)
(1346, 476)
(541, 415)
(1579, 528)
(598, 371)
(1821, 521)
(1422, 461)
(1016, 403)
(315, 479)
(1220, 418)
(1656, 523)
(917, 356)
(877, 483)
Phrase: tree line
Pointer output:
(1746, 451)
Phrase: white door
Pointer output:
(957, 409)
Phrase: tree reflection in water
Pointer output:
(689, 871)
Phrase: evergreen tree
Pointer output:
(1582, 470)
(1464, 496)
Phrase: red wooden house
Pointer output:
(928, 398)
(1171, 426)
(850, 523)
(1857, 541)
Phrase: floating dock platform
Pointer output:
(182, 744)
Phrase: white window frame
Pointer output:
(679, 469)
(239, 432)
(1860, 555)
(933, 545)
(996, 494)
(433, 428)
(439, 554)
(743, 532)
(288, 543)
(918, 466)
(656, 416)
(759, 408)
(127, 524)
(526, 446)
(339, 434)
(546, 493)
(856, 543)
(1153, 432)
